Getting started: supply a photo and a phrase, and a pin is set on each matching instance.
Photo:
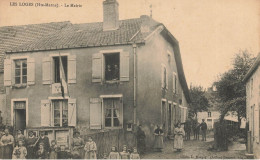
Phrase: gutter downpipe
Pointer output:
(134, 48)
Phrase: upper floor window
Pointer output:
(164, 75)
(112, 64)
(58, 68)
(20, 71)
(174, 83)
(60, 112)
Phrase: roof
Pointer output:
(64, 35)
(252, 69)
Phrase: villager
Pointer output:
(20, 151)
(19, 136)
(54, 150)
(7, 142)
(178, 137)
(113, 154)
(42, 153)
(140, 136)
(134, 154)
(30, 145)
(158, 141)
(197, 131)
(63, 154)
(187, 129)
(91, 149)
(77, 146)
(45, 141)
(124, 154)
(1, 145)
(203, 126)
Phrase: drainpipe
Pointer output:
(134, 47)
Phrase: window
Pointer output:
(112, 67)
(60, 112)
(169, 58)
(20, 71)
(209, 114)
(174, 83)
(113, 112)
(56, 65)
(164, 77)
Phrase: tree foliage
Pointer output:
(199, 101)
(231, 88)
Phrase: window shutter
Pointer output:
(7, 72)
(96, 67)
(162, 76)
(46, 70)
(72, 69)
(31, 71)
(124, 66)
(45, 113)
(72, 112)
(95, 113)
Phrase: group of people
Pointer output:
(197, 128)
(125, 154)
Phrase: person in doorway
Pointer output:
(20, 151)
(19, 136)
(203, 126)
(30, 144)
(7, 142)
(77, 146)
(140, 136)
(91, 149)
(178, 137)
(158, 141)
(45, 140)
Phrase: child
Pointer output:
(53, 150)
(135, 154)
(113, 154)
(41, 153)
(62, 154)
(90, 149)
(124, 154)
(20, 151)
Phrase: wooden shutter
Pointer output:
(72, 69)
(45, 113)
(46, 70)
(31, 71)
(95, 113)
(124, 66)
(72, 112)
(96, 67)
(7, 72)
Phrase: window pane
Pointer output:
(108, 113)
(17, 72)
(64, 122)
(24, 63)
(56, 113)
(24, 71)
(56, 105)
(17, 80)
(56, 122)
(116, 113)
(65, 114)
(24, 79)
(112, 66)
(108, 122)
(116, 122)
(17, 64)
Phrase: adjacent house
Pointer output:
(252, 80)
(119, 74)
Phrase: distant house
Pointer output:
(210, 118)
(120, 73)
(252, 80)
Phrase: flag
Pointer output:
(64, 85)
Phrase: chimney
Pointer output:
(110, 15)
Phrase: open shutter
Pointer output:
(95, 113)
(72, 110)
(45, 113)
(72, 69)
(7, 72)
(46, 70)
(31, 71)
(124, 66)
(96, 67)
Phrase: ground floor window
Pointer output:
(113, 112)
(60, 112)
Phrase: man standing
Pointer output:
(45, 141)
(187, 129)
(203, 129)
(140, 136)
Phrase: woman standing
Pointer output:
(178, 137)
(30, 144)
(77, 146)
(158, 141)
(19, 137)
(7, 141)
(91, 149)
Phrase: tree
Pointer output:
(231, 89)
(199, 102)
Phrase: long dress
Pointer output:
(19, 152)
(90, 149)
(158, 141)
(113, 155)
(30, 141)
(8, 142)
(178, 138)
(77, 148)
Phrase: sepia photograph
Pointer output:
(130, 79)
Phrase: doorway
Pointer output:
(170, 119)
(20, 119)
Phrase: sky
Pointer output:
(210, 32)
